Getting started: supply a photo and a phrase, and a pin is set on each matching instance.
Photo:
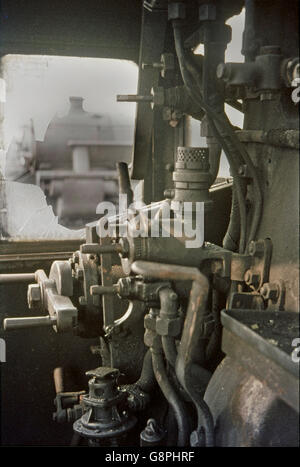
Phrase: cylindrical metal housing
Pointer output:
(191, 175)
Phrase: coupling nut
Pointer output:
(168, 326)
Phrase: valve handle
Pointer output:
(17, 278)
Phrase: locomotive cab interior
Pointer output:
(158, 305)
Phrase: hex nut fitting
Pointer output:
(168, 327)
(34, 295)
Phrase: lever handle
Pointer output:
(30, 322)
(16, 278)
(133, 98)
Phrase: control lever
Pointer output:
(52, 295)
(30, 322)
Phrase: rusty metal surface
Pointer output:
(246, 411)
(266, 360)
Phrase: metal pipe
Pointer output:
(124, 182)
(233, 156)
(103, 289)
(172, 397)
(214, 343)
(146, 381)
(233, 234)
(133, 98)
(169, 310)
(225, 133)
(97, 249)
(215, 150)
(169, 348)
(139, 392)
(192, 344)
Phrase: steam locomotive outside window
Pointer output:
(62, 133)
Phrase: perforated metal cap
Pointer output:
(192, 158)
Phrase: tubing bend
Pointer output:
(192, 338)
(146, 381)
(235, 230)
(188, 353)
(172, 398)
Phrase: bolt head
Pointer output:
(168, 327)
(34, 295)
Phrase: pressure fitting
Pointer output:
(168, 323)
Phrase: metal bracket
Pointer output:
(258, 273)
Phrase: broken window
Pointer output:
(61, 133)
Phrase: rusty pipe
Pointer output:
(172, 397)
(169, 310)
(192, 334)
